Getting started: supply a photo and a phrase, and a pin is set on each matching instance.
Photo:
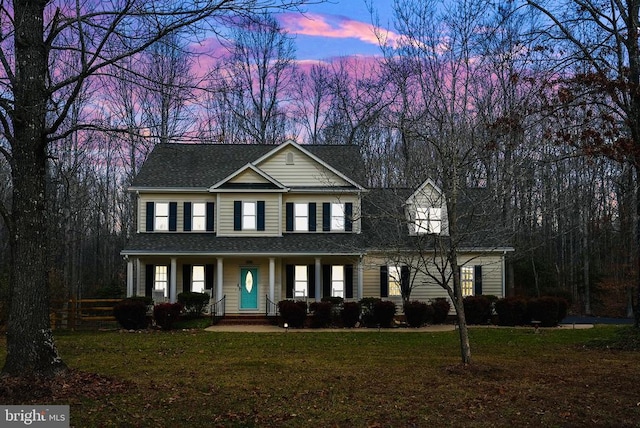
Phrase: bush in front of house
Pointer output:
(166, 314)
(321, 314)
(511, 311)
(545, 309)
(383, 313)
(367, 305)
(293, 313)
(193, 303)
(131, 313)
(350, 314)
(441, 307)
(416, 313)
(477, 309)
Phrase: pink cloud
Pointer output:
(333, 26)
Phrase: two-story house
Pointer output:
(255, 224)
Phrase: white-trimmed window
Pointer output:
(466, 280)
(301, 217)
(161, 278)
(249, 216)
(301, 282)
(161, 216)
(428, 220)
(199, 216)
(197, 279)
(337, 216)
(394, 281)
(337, 281)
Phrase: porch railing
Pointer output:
(218, 308)
(271, 308)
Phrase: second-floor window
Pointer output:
(199, 216)
(301, 219)
(249, 215)
(162, 216)
(337, 216)
(428, 220)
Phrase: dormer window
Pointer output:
(428, 220)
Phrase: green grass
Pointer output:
(354, 379)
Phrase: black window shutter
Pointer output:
(208, 277)
(289, 271)
(348, 216)
(187, 217)
(173, 216)
(260, 215)
(186, 278)
(348, 281)
(210, 217)
(326, 280)
(405, 278)
(289, 213)
(237, 215)
(150, 216)
(326, 216)
(148, 280)
(311, 292)
(312, 216)
(384, 281)
(477, 279)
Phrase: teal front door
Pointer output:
(249, 288)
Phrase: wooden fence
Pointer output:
(82, 313)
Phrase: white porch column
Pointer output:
(219, 279)
(360, 278)
(172, 281)
(272, 280)
(318, 279)
(139, 288)
(129, 277)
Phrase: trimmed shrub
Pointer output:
(416, 313)
(166, 313)
(321, 317)
(545, 309)
(193, 303)
(336, 301)
(511, 311)
(477, 309)
(383, 313)
(441, 307)
(350, 314)
(294, 313)
(367, 306)
(131, 313)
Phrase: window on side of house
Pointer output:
(337, 281)
(249, 216)
(394, 281)
(197, 279)
(161, 279)
(466, 280)
(301, 217)
(199, 216)
(161, 216)
(337, 216)
(301, 282)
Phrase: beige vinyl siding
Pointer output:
(425, 288)
(179, 198)
(303, 172)
(319, 200)
(224, 211)
(248, 177)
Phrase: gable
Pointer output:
(293, 167)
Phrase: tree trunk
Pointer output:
(30, 345)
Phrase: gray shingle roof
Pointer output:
(203, 165)
(207, 243)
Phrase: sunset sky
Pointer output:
(336, 28)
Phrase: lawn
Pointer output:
(346, 379)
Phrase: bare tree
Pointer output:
(36, 100)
